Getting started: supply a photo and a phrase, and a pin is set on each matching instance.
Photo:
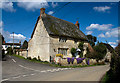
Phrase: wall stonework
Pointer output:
(55, 44)
(38, 46)
(43, 45)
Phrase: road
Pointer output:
(15, 69)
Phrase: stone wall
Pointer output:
(38, 46)
(22, 53)
(55, 44)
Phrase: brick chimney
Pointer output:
(77, 24)
(3, 42)
(42, 12)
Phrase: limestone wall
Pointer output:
(22, 53)
(55, 44)
(38, 46)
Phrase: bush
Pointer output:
(99, 53)
(29, 58)
(87, 61)
(80, 46)
(73, 51)
(9, 51)
(79, 60)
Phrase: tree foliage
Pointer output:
(73, 51)
(25, 45)
(99, 52)
(91, 40)
(117, 49)
(9, 51)
(80, 46)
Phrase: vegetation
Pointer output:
(117, 49)
(92, 40)
(99, 52)
(9, 51)
(114, 73)
(80, 46)
(73, 51)
(25, 45)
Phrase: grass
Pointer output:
(32, 60)
(54, 65)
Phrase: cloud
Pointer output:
(89, 32)
(18, 36)
(54, 4)
(50, 12)
(7, 6)
(118, 41)
(32, 6)
(101, 35)
(113, 46)
(1, 24)
(102, 8)
(112, 33)
(9, 37)
(99, 27)
(114, 43)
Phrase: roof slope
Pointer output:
(58, 27)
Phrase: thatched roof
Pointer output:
(59, 27)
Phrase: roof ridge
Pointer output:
(61, 19)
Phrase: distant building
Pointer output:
(53, 36)
(6, 45)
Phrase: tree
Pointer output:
(99, 53)
(3, 39)
(73, 51)
(25, 45)
(117, 49)
(9, 50)
(91, 40)
(80, 46)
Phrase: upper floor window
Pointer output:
(61, 39)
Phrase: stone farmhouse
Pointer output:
(53, 36)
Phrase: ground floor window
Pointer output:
(62, 51)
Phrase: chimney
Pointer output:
(42, 12)
(77, 24)
(3, 42)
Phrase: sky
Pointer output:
(99, 19)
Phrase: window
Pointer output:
(62, 51)
(61, 39)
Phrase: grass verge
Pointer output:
(55, 65)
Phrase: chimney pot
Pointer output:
(42, 11)
(77, 24)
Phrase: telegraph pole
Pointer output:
(13, 42)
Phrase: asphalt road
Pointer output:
(15, 69)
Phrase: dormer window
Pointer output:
(61, 39)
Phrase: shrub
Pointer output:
(9, 50)
(68, 60)
(79, 60)
(80, 46)
(87, 61)
(29, 58)
(72, 60)
(59, 55)
(73, 51)
(99, 52)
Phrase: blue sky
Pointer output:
(99, 19)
